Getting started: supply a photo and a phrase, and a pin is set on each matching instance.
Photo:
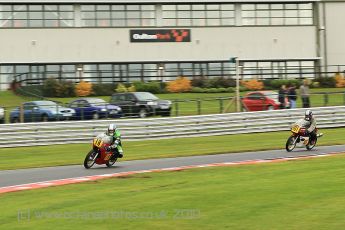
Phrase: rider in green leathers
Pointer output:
(115, 138)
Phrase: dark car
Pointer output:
(141, 104)
(262, 100)
(94, 108)
(41, 111)
(2, 115)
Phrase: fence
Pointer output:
(220, 104)
(35, 134)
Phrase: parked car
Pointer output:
(94, 108)
(2, 115)
(261, 100)
(41, 111)
(141, 104)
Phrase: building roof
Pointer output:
(148, 1)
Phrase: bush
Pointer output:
(197, 90)
(340, 81)
(152, 87)
(218, 82)
(49, 87)
(65, 89)
(83, 88)
(253, 84)
(131, 88)
(326, 82)
(121, 88)
(198, 82)
(276, 84)
(103, 89)
(181, 84)
(53, 88)
(212, 90)
(222, 82)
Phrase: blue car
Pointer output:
(94, 108)
(41, 111)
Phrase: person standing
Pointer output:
(281, 97)
(292, 96)
(304, 91)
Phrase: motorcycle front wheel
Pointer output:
(290, 143)
(310, 146)
(90, 159)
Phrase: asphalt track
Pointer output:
(33, 175)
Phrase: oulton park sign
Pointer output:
(169, 35)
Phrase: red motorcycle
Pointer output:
(299, 136)
(99, 154)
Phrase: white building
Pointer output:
(112, 40)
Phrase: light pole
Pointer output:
(161, 71)
(237, 85)
(80, 71)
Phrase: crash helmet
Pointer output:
(111, 129)
(308, 115)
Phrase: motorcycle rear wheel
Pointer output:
(112, 159)
(311, 146)
(290, 144)
(90, 159)
(111, 162)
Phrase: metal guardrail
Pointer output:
(49, 133)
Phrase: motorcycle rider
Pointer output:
(115, 138)
(310, 125)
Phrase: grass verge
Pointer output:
(55, 155)
(304, 194)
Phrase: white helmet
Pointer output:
(308, 115)
(111, 129)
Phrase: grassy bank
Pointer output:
(305, 194)
(26, 157)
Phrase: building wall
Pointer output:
(335, 32)
(113, 44)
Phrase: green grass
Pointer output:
(305, 194)
(54, 155)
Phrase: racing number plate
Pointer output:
(295, 128)
(97, 142)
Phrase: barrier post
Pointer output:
(21, 113)
(325, 99)
(199, 106)
(221, 106)
(176, 108)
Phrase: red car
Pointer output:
(262, 100)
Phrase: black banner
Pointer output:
(173, 35)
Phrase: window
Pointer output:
(277, 14)
(255, 96)
(199, 15)
(36, 15)
(118, 15)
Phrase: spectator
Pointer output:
(292, 96)
(282, 96)
(304, 91)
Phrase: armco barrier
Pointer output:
(49, 133)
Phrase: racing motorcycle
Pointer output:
(299, 136)
(100, 153)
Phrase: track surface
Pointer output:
(25, 176)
